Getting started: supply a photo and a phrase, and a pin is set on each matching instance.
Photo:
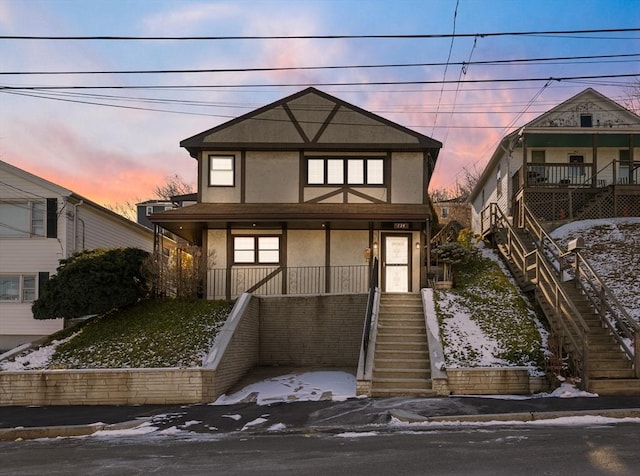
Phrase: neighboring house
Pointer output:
(147, 208)
(41, 223)
(456, 209)
(580, 160)
(299, 197)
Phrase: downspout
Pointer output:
(75, 225)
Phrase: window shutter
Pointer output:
(52, 218)
(43, 277)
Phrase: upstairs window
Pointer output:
(256, 249)
(444, 213)
(586, 120)
(22, 219)
(221, 170)
(345, 171)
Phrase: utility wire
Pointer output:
(318, 37)
(556, 60)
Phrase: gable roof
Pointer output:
(310, 119)
(552, 119)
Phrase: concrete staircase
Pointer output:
(401, 364)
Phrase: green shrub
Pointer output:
(93, 282)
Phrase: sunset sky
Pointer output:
(115, 145)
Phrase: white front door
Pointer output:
(396, 263)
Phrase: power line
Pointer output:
(317, 37)
(346, 83)
(556, 60)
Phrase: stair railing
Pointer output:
(373, 285)
(613, 315)
(536, 268)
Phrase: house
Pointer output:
(145, 209)
(456, 209)
(579, 160)
(40, 224)
(301, 195)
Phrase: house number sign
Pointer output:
(400, 226)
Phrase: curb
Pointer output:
(408, 417)
(61, 431)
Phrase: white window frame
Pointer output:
(222, 170)
(352, 171)
(25, 288)
(256, 249)
(35, 221)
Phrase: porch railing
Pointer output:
(369, 313)
(615, 172)
(229, 283)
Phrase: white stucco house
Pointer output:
(579, 160)
(301, 195)
(41, 223)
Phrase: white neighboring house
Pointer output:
(41, 223)
(577, 161)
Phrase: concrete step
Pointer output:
(401, 363)
(401, 383)
(615, 386)
(402, 355)
(611, 374)
(395, 337)
(404, 374)
(402, 392)
(403, 346)
(393, 329)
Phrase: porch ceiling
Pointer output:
(188, 222)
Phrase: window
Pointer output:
(625, 166)
(576, 169)
(499, 182)
(339, 171)
(149, 210)
(256, 249)
(22, 219)
(221, 173)
(17, 288)
(586, 120)
(444, 213)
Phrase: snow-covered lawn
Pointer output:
(613, 251)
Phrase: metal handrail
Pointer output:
(373, 284)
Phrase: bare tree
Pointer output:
(632, 101)
(174, 185)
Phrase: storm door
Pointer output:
(396, 263)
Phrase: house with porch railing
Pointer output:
(580, 160)
(300, 196)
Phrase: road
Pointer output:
(484, 450)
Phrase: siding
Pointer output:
(98, 230)
(407, 179)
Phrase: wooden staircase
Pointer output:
(401, 365)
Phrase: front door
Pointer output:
(396, 263)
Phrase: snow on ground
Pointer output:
(36, 360)
(613, 251)
(308, 386)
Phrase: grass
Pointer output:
(485, 321)
(151, 334)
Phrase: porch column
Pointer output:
(327, 258)
(594, 168)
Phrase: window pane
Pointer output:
(15, 219)
(356, 171)
(268, 249)
(37, 219)
(335, 171)
(244, 249)
(375, 171)
(28, 288)
(315, 171)
(9, 288)
(221, 172)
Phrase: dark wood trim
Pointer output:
(388, 175)
(283, 256)
(302, 179)
(243, 176)
(365, 196)
(235, 170)
(327, 258)
(326, 123)
(229, 263)
(370, 247)
(295, 123)
(325, 196)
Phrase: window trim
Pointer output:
(256, 250)
(346, 172)
(22, 290)
(213, 157)
(34, 221)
